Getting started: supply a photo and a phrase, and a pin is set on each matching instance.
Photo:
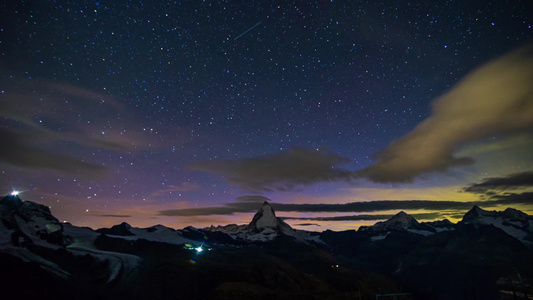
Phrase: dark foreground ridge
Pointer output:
(485, 256)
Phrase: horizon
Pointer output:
(354, 221)
(189, 113)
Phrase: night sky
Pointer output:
(194, 112)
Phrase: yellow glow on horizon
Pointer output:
(146, 215)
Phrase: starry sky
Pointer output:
(339, 113)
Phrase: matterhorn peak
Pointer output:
(264, 218)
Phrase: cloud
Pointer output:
(205, 211)
(32, 127)
(370, 206)
(110, 216)
(280, 171)
(421, 216)
(519, 141)
(253, 198)
(495, 99)
(513, 198)
(513, 181)
(357, 207)
(172, 188)
(17, 150)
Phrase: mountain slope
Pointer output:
(465, 263)
(28, 223)
(30, 232)
(512, 221)
(264, 259)
(399, 222)
(265, 226)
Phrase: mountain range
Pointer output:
(487, 255)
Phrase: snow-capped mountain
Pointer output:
(266, 223)
(157, 233)
(265, 226)
(28, 223)
(441, 225)
(399, 222)
(27, 227)
(123, 261)
(512, 221)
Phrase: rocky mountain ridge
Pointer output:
(399, 249)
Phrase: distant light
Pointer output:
(15, 193)
(199, 249)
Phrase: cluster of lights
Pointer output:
(199, 249)
(15, 193)
(194, 248)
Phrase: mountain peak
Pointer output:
(11, 201)
(266, 223)
(264, 218)
(399, 222)
(402, 219)
(477, 212)
(123, 229)
(514, 213)
(31, 222)
(515, 222)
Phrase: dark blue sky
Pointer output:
(119, 105)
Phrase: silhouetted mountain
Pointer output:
(399, 222)
(264, 259)
(28, 223)
(512, 221)
(123, 229)
(265, 226)
(466, 263)
(441, 225)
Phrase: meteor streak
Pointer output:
(246, 31)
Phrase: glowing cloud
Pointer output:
(494, 99)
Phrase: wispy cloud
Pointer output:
(253, 198)
(510, 182)
(170, 189)
(35, 132)
(494, 99)
(370, 206)
(280, 171)
(514, 198)
(110, 215)
(355, 207)
(206, 211)
(19, 151)
(418, 216)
